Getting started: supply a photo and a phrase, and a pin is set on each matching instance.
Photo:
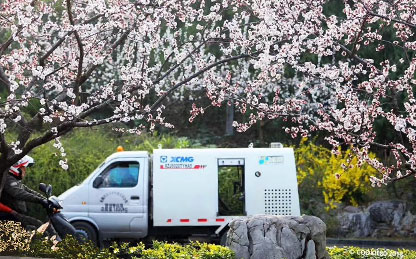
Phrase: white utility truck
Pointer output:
(180, 193)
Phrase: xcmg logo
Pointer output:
(181, 159)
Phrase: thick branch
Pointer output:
(48, 136)
(3, 145)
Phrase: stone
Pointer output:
(318, 234)
(275, 237)
(408, 222)
(292, 247)
(310, 250)
(355, 224)
(351, 209)
(387, 211)
(237, 238)
(398, 214)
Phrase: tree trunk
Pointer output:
(229, 130)
(3, 175)
(260, 131)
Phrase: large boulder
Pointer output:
(390, 212)
(355, 224)
(274, 237)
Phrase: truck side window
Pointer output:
(121, 174)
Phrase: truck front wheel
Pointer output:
(87, 230)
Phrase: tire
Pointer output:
(88, 230)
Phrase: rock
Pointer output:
(355, 224)
(387, 211)
(290, 243)
(408, 222)
(237, 238)
(398, 214)
(318, 234)
(310, 250)
(351, 209)
(261, 236)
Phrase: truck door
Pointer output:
(231, 192)
(116, 197)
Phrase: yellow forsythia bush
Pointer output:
(322, 173)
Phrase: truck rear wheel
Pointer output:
(87, 230)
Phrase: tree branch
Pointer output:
(3, 145)
(360, 60)
(88, 73)
(48, 136)
(61, 40)
(413, 172)
(5, 45)
(4, 79)
(411, 25)
(173, 88)
(81, 52)
(177, 65)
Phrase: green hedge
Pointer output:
(351, 252)
(15, 241)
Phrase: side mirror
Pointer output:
(49, 190)
(42, 187)
(98, 181)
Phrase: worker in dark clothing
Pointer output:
(15, 194)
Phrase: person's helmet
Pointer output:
(15, 169)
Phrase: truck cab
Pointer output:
(113, 200)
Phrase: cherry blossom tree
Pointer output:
(68, 62)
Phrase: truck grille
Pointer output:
(278, 201)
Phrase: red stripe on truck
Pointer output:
(220, 220)
(202, 220)
(184, 220)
